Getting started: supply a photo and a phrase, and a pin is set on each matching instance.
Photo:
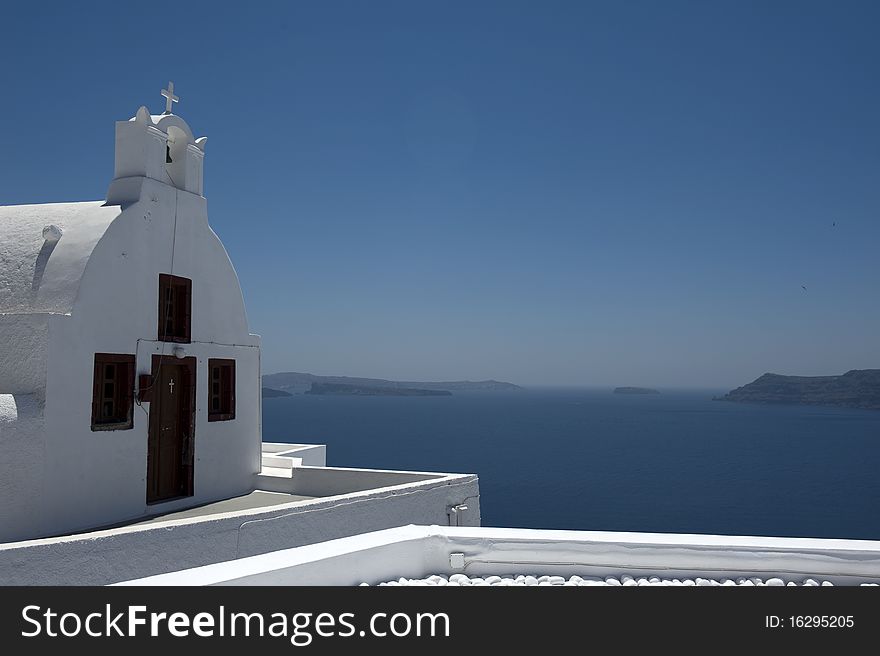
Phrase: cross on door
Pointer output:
(171, 386)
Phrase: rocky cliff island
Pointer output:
(338, 389)
(859, 388)
(635, 390)
(301, 383)
(269, 393)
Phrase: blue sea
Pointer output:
(593, 460)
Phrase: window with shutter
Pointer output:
(113, 392)
(221, 390)
(175, 308)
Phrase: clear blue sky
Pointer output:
(613, 193)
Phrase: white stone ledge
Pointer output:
(419, 551)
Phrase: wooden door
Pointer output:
(170, 452)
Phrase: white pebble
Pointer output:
(459, 580)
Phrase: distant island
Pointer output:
(294, 382)
(341, 389)
(635, 390)
(269, 393)
(859, 388)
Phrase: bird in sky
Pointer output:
(804, 287)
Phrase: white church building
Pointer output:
(130, 393)
(129, 381)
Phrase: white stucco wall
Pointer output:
(22, 443)
(120, 554)
(23, 350)
(40, 275)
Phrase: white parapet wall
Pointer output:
(420, 551)
(347, 502)
(312, 455)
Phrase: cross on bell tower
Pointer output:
(169, 97)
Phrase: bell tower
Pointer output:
(156, 147)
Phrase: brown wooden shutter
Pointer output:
(97, 384)
(127, 393)
(226, 392)
(230, 388)
(123, 367)
(180, 328)
(189, 425)
(164, 282)
(186, 314)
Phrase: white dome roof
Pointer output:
(39, 274)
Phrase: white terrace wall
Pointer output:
(420, 551)
(137, 551)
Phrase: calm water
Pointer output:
(586, 459)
